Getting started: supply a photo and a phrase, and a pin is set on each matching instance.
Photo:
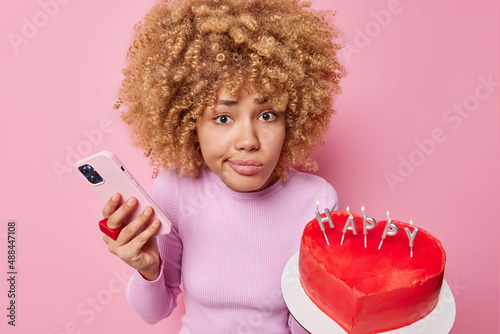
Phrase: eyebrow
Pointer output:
(235, 102)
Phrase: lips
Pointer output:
(245, 167)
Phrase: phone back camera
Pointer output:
(90, 174)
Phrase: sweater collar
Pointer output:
(242, 195)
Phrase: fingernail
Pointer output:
(156, 223)
(115, 197)
(147, 211)
(130, 202)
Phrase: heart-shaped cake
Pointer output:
(370, 290)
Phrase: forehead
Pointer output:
(248, 91)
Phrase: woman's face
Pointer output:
(241, 140)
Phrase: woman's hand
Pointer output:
(138, 251)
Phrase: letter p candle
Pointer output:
(390, 229)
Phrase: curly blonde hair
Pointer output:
(185, 51)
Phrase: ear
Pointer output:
(195, 137)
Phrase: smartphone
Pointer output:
(107, 176)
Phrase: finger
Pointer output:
(116, 219)
(113, 233)
(145, 235)
(108, 241)
(130, 231)
(111, 205)
(112, 246)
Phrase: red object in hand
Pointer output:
(110, 232)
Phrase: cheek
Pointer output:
(212, 145)
(275, 139)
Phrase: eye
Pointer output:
(222, 119)
(267, 116)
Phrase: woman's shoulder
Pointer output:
(171, 188)
(165, 194)
(167, 181)
(299, 177)
(311, 185)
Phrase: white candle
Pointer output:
(390, 229)
(320, 221)
(368, 223)
(349, 225)
(411, 237)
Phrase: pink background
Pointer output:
(408, 70)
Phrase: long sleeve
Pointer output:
(295, 327)
(232, 247)
(155, 300)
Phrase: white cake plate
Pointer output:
(439, 321)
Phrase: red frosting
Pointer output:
(366, 290)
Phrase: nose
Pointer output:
(246, 137)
